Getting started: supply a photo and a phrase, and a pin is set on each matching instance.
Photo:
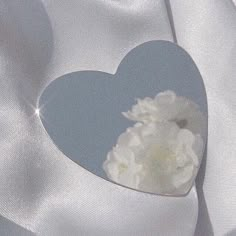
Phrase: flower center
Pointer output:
(122, 168)
(162, 159)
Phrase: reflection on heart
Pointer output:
(144, 127)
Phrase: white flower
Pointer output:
(161, 153)
(122, 168)
(166, 106)
(155, 157)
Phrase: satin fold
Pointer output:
(207, 30)
(41, 189)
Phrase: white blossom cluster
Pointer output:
(161, 153)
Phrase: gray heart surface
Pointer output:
(82, 110)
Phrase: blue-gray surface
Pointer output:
(8, 228)
(82, 110)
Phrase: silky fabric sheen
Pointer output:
(41, 189)
(207, 30)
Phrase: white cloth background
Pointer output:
(43, 191)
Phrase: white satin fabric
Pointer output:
(42, 190)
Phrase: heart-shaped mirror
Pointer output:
(145, 127)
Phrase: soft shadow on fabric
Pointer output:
(27, 41)
(204, 225)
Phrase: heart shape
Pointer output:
(82, 110)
